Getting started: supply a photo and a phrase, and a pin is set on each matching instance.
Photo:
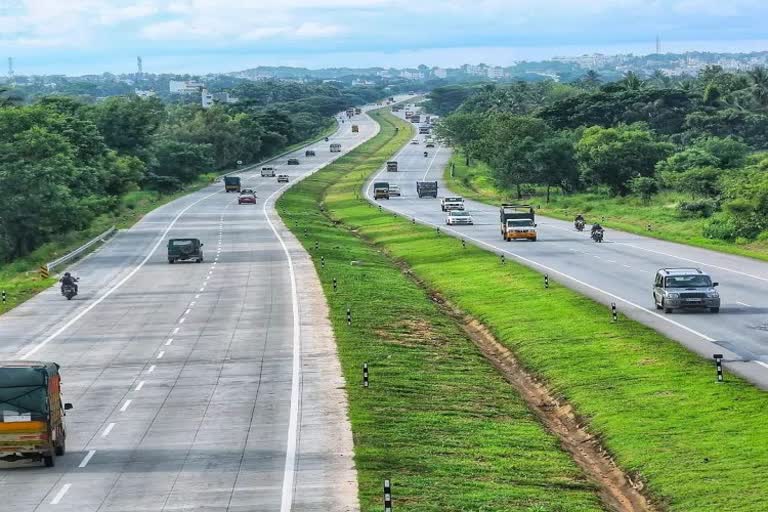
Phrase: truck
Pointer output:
(335, 147)
(426, 189)
(31, 412)
(381, 190)
(518, 222)
(416, 118)
(408, 114)
(350, 112)
(355, 128)
(358, 111)
(267, 172)
(423, 130)
(392, 166)
(185, 249)
(448, 204)
(232, 183)
(392, 99)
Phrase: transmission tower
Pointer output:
(658, 44)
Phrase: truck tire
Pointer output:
(61, 449)
(49, 461)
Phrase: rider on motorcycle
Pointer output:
(579, 221)
(68, 280)
(596, 227)
(578, 218)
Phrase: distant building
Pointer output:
(496, 73)
(185, 87)
(359, 82)
(206, 98)
(440, 73)
(144, 94)
(224, 97)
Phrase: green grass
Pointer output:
(20, 279)
(629, 214)
(438, 419)
(699, 446)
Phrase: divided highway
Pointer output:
(198, 387)
(620, 270)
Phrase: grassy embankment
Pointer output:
(629, 214)
(438, 419)
(699, 446)
(20, 279)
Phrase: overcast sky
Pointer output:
(198, 36)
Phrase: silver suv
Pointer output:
(678, 288)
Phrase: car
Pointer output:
(394, 190)
(452, 203)
(267, 172)
(458, 217)
(430, 144)
(185, 249)
(685, 288)
(293, 161)
(247, 196)
(415, 142)
(309, 152)
(282, 178)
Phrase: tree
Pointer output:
(184, 161)
(644, 186)
(591, 79)
(464, 130)
(759, 78)
(554, 162)
(613, 156)
(128, 124)
(631, 82)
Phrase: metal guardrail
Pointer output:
(80, 250)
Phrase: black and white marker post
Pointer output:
(719, 367)
(614, 313)
(334, 284)
(365, 375)
(349, 316)
(387, 496)
(546, 280)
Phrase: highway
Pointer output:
(620, 270)
(196, 387)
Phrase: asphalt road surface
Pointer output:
(620, 270)
(187, 380)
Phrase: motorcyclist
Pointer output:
(68, 280)
(578, 218)
(578, 222)
(596, 227)
(426, 154)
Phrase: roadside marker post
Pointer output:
(317, 244)
(614, 314)
(3, 296)
(379, 207)
(44, 271)
(719, 367)
(503, 260)
(546, 280)
(365, 375)
(322, 261)
(463, 244)
(387, 496)
(334, 284)
(438, 231)
(349, 316)
(413, 220)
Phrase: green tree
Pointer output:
(644, 186)
(554, 163)
(128, 123)
(613, 156)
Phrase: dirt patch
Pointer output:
(410, 333)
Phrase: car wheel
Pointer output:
(714, 310)
(656, 303)
(666, 309)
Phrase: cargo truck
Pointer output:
(518, 222)
(416, 118)
(232, 183)
(355, 128)
(358, 111)
(31, 412)
(392, 166)
(426, 189)
(335, 148)
(381, 190)
(267, 172)
(423, 130)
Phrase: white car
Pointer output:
(415, 142)
(394, 190)
(451, 203)
(458, 217)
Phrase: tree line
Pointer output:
(63, 162)
(704, 137)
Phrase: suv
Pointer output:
(185, 249)
(678, 288)
(293, 161)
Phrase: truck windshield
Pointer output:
(182, 243)
(693, 281)
(454, 200)
(520, 223)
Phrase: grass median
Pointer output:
(698, 446)
(630, 214)
(437, 419)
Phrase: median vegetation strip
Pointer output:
(695, 444)
(437, 419)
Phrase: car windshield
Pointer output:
(692, 281)
(459, 214)
(182, 243)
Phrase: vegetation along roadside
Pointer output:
(437, 419)
(694, 444)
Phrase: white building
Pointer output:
(224, 97)
(440, 73)
(144, 94)
(206, 98)
(185, 87)
(496, 73)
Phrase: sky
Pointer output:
(199, 36)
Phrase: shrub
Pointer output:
(698, 208)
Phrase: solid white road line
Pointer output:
(743, 304)
(762, 364)
(87, 458)
(126, 405)
(108, 430)
(56, 499)
(72, 321)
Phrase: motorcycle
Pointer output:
(69, 290)
(326, 139)
(426, 154)
(579, 225)
(597, 236)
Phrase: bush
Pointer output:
(698, 208)
(720, 228)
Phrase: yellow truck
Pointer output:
(518, 222)
(31, 412)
